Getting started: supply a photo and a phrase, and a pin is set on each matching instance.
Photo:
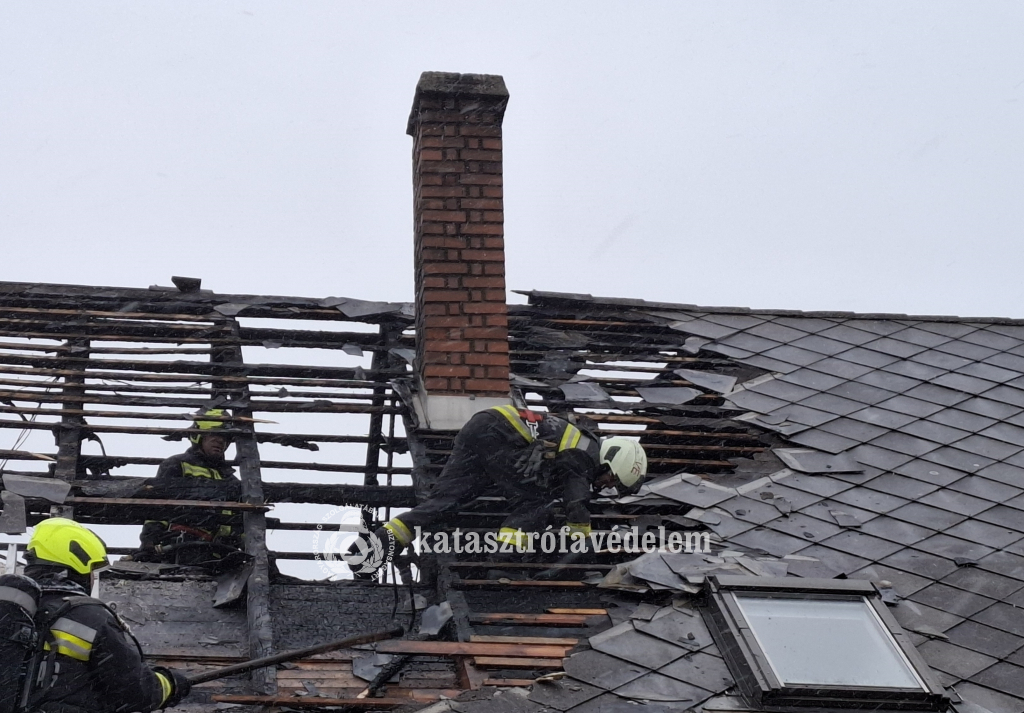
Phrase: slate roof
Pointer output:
(928, 412)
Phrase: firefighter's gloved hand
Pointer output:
(180, 686)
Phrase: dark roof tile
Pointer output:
(1002, 616)
(901, 485)
(966, 350)
(793, 355)
(867, 357)
(1006, 432)
(824, 441)
(943, 545)
(929, 472)
(1004, 516)
(778, 332)
(984, 639)
(914, 370)
(838, 367)
(941, 360)
(904, 583)
(888, 381)
(954, 330)
(807, 528)
(1006, 473)
(983, 582)
(894, 346)
(938, 394)
(816, 484)
(962, 382)
(988, 699)
(736, 321)
(783, 390)
(961, 662)
(988, 447)
(1004, 563)
(842, 562)
(958, 459)
(987, 533)
(778, 544)
(985, 406)
(894, 530)
(882, 458)
(913, 616)
(920, 337)
(862, 545)
(869, 395)
(856, 430)
(870, 500)
(1013, 362)
(883, 417)
(812, 379)
(749, 342)
(936, 432)
(846, 333)
(832, 404)
(962, 419)
(956, 502)
(764, 362)
(821, 345)
(805, 415)
(876, 326)
(1007, 394)
(946, 598)
(927, 516)
(989, 372)
(902, 443)
(981, 487)
(988, 337)
(1003, 677)
(922, 563)
(806, 324)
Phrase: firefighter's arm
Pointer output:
(127, 682)
(575, 468)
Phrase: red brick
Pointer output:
(451, 154)
(448, 321)
(443, 191)
(494, 243)
(494, 268)
(480, 130)
(435, 384)
(476, 268)
(431, 155)
(433, 309)
(433, 282)
(491, 144)
(483, 255)
(479, 179)
(450, 370)
(486, 359)
(445, 268)
(494, 216)
(436, 255)
(481, 229)
(442, 167)
(433, 346)
(498, 372)
(432, 228)
(493, 191)
(485, 333)
(471, 155)
(445, 296)
(497, 320)
(441, 334)
(446, 216)
(498, 347)
(485, 308)
(496, 282)
(480, 204)
(429, 180)
(494, 295)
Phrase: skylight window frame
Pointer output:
(755, 675)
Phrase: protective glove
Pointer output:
(180, 686)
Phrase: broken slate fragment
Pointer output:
(711, 381)
(806, 460)
(583, 391)
(667, 395)
(844, 519)
(32, 487)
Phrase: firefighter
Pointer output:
(200, 473)
(90, 662)
(536, 459)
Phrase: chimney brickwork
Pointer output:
(461, 312)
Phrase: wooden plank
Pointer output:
(466, 648)
(539, 640)
(554, 583)
(516, 662)
(556, 620)
(508, 682)
(581, 612)
(198, 504)
(314, 702)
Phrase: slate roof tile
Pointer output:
(806, 324)
(749, 342)
(842, 562)
(848, 334)
(962, 420)
(888, 381)
(832, 404)
(808, 528)
(840, 368)
(862, 545)
(875, 326)
(823, 511)
(894, 530)
(989, 337)
(956, 502)
(825, 487)
(989, 372)
(914, 370)
(990, 700)
(965, 350)
(910, 406)
(912, 615)
(1013, 362)
(783, 390)
(905, 583)
(929, 472)
(821, 344)
(901, 485)
(941, 360)
(1005, 473)
(1002, 616)
(778, 332)
(958, 459)
(854, 429)
(736, 321)
(946, 598)
(992, 535)
(983, 487)
(777, 544)
(870, 500)
(867, 357)
(988, 447)
(952, 547)
(1006, 394)
(1004, 516)
(921, 337)
(1003, 677)
(1005, 432)
(953, 659)
(805, 415)
(983, 582)
(793, 355)
(954, 330)
(855, 391)
(1004, 563)
(941, 395)
(746, 509)
(921, 563)
(701, 669)
(823, 441)
(812, 379)
(903, 443)
(984, 639)
(894, 346)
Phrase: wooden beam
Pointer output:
(467, 648)
(314, 702)
(516, 619)
(539, 640)
(516, 662)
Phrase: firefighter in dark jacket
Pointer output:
(536, 459)
(91, 663)
(200, 473)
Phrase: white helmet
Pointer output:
(626, 460)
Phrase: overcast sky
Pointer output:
(864, 156)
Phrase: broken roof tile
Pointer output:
(825, 487)
(658, 687)
(805, 415)
(823, 440)
(783, 390)
(805, 460)
(703, 328)
(804, 527)
(719, 383)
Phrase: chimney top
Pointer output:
(462, 86)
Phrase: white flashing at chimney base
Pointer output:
(446, 412)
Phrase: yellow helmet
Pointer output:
(65, 542)
(212, 426)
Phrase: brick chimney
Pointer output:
(461, 314)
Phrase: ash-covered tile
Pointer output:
(793, 355)
(894, 530)
(840, 368)
(1004, 563)
(953, 659)
(960, 381)
(870, 500)
(821, 344)
(849, 335)
(920, 337)
(867, 357)
(982, 582)
(910, 406)
(988, 447)
(959, 503)
(982, 487)
(904, 583)
(953, 548)
(921, 563)
(930, 472)
(812, 379)
(862, 545)
(950, 599)
(986, 533)
(992, 701)
(940, 395)
(958, 459)
(1006, 432)
(832, 404)
(966, 350)
(962, 420)
(823, 441)
(903, 443)
(901, 485)
(935, 432)
(895, 346)
(914, 370)
(1005, 473)
(804, 527)
(842, 562)
(776, 331)
(1006, 394)
(984, 639)
(985, 406)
